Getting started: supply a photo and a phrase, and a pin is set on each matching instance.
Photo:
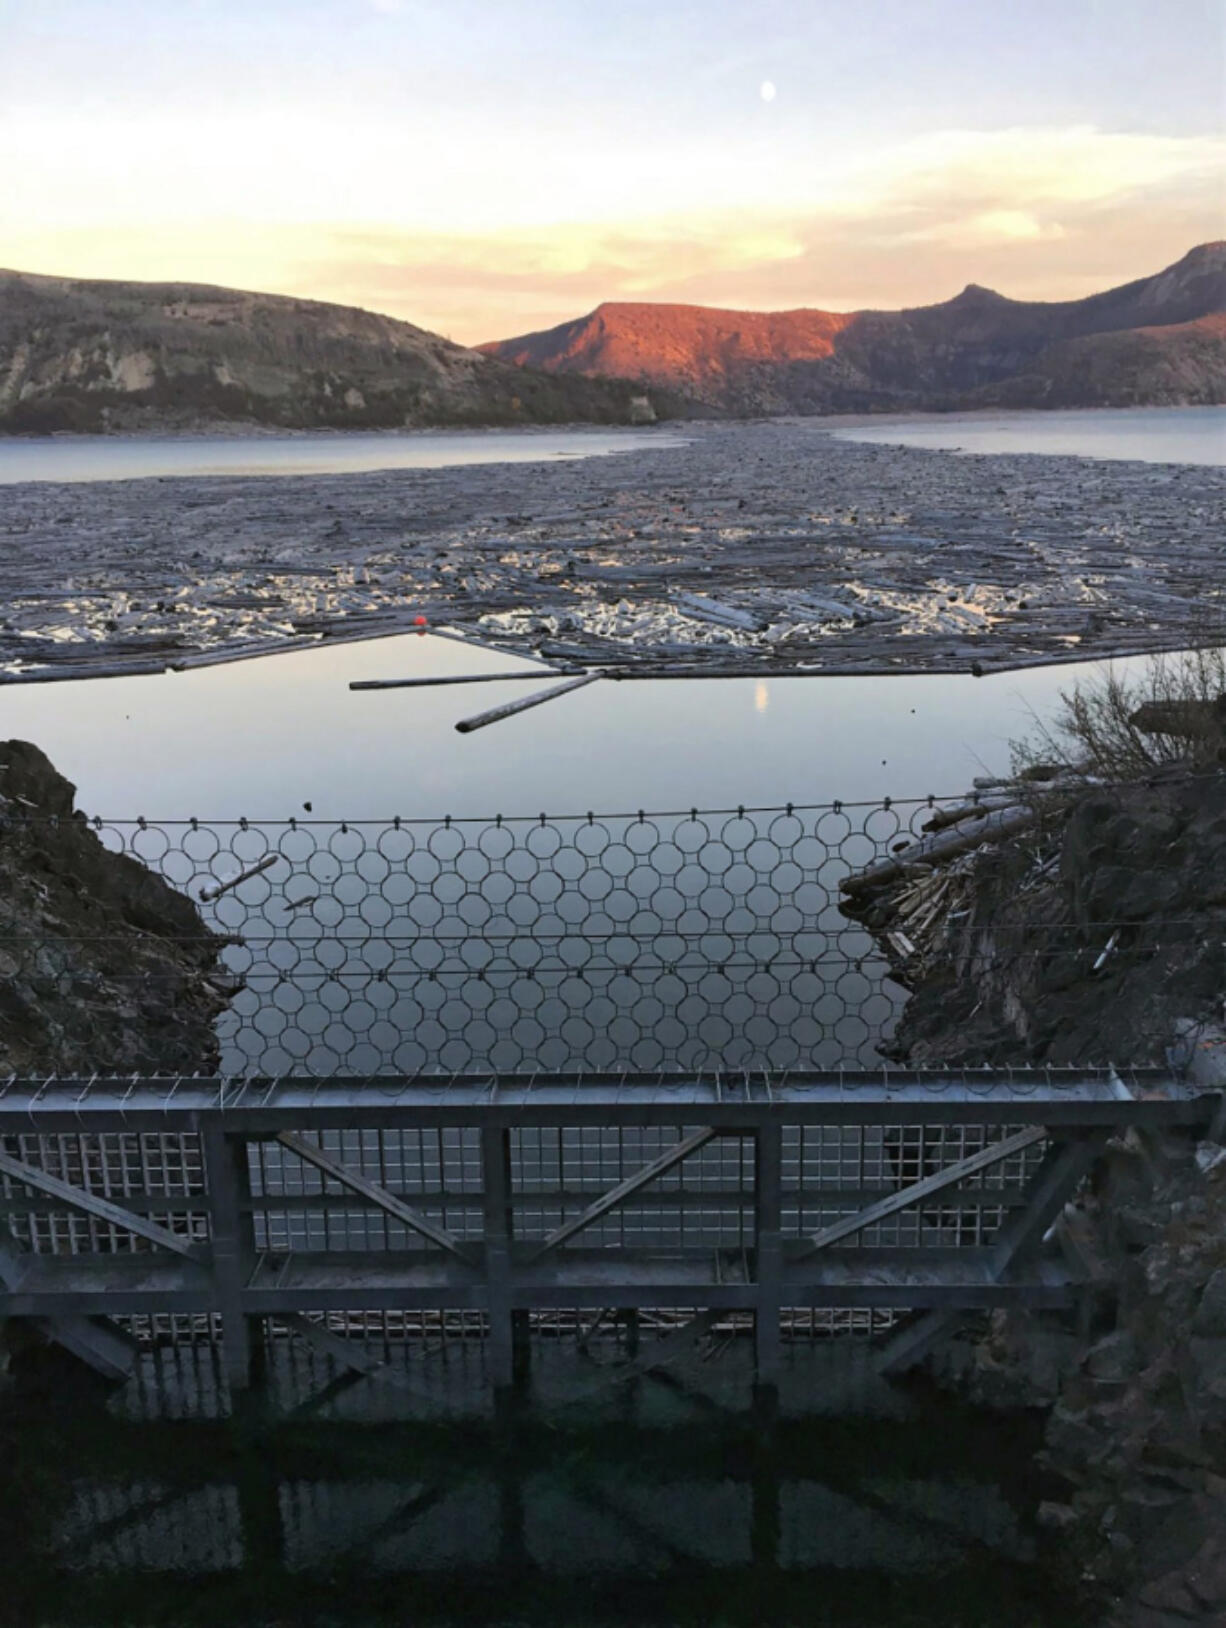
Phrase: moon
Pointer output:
(767, 91)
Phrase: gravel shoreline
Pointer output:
(757, 548)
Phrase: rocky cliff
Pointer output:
(1161, 339)
(104, 968)
(98, 356)
(1088, 924)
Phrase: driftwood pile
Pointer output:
(914, 900)
(747, 550)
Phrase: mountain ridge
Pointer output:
(979, 348)
(93, 355)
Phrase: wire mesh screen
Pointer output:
(688, 940)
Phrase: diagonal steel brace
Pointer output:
(102, 1208)
(617, 1195)
(920, 1190)
(312, 1153)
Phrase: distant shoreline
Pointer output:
(252, 429)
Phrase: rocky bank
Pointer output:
(1090, 926)
(104, 968)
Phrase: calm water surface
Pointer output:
(1179, 435)
(260, 738)
(108, 457)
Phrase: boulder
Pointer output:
(1114, 1359)
(1210, 1318)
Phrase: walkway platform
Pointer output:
(318, 1202)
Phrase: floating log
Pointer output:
(711, 610)
(475, 643)
(497, 714)
(65, 674)
(462, 678)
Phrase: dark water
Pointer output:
(402, 1498)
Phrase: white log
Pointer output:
(940, 847)
(497, 714)
(243, 876)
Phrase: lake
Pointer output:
(283, 737)
(633, 956)
(318, 452)
(261, 738)
(1176, 435)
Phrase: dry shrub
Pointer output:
(1093, 733)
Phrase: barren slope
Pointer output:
(1158, 339)
(104, 355)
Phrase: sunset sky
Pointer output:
(483, 167)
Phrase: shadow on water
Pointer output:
(603, 1494)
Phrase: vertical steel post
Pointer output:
(768, 1249)
(496, 1205)
(226, 1182)
(630, 1322)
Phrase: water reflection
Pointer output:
(262, 737)
(656, 1498)
(642, 941)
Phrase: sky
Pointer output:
(488, 167)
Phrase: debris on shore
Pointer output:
(1055, 921)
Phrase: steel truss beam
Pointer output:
(503, 1280)
(348, 1353)
(96, 1341)
(102, 1208)
(264, 1107)
(1062, 1171)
